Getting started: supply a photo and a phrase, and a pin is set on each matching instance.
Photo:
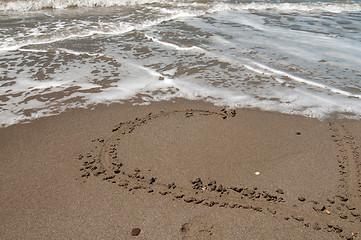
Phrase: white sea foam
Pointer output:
(61, 33)
(33, 5)
(235, 54)
(171, 45)
(334, 7)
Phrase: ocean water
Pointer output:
(295, 57)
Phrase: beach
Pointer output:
(180, 119)
(100, 173)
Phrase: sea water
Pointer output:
(294, 57)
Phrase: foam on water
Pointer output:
(296, 58)
(61, 4)
(334, 7)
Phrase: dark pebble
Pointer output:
(343, 216)
(248, 192)
(258, 209)
(319, 208)
(199, 201)
(135, 231)
(302, 199)
(298, 133)
(343, 198)
(300, 219)
(152, 180)
(189, 200)
(280, 191)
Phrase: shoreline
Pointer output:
(188, 148)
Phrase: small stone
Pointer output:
(198, 180)
(172, 185)
(316, 227)
(343, 198)
(199, 201)
(212, 183)
(220, 188)
(272, 211)
(355, 214)
(300, 219)
(213, 187)
(189, 200)
(248, 192)
(135, 231)
(337, 229)
(258, 209)
(302, 199)
(350, 207)
(343, 216)
(280, 191)
(152, 180)
(298, 133)
(210, 204)
(319, 208)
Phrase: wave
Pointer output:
(215, 6)
(34, 5)
(330, 7)
(109, 30)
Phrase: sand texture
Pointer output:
(180, 170)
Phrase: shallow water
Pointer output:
(296, 57)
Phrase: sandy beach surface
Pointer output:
(180, 170)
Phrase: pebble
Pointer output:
(316, 227)
(247, 192)
(189, 200)
(213, 187)
(280, 191)
(135, 231)
(343, 216)
(302, 199)
(152, 180)
(319, 208)
(300, 219)
(220, 188)
(212, 183)
(258, 209)
(343, 198)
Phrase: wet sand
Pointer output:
(180, 170)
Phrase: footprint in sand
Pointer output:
(199, 227)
